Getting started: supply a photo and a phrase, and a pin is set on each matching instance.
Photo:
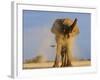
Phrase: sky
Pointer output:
(37, 37)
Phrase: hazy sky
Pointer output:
(38, 38)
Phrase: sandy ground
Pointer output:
(50, 64)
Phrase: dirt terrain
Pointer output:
(50, 64)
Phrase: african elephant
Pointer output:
(65, 31)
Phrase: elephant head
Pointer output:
(65, 26)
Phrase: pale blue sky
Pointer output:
(38, 38)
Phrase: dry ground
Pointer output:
(50, 64)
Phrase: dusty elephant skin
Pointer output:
(65, 31)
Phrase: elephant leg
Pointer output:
(58, 56)
(68, 56)
(69, 62)
(65, 60)
(62, 57)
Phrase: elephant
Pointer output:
(65, 31)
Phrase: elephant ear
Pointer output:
(73, 24)
(56, 28)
